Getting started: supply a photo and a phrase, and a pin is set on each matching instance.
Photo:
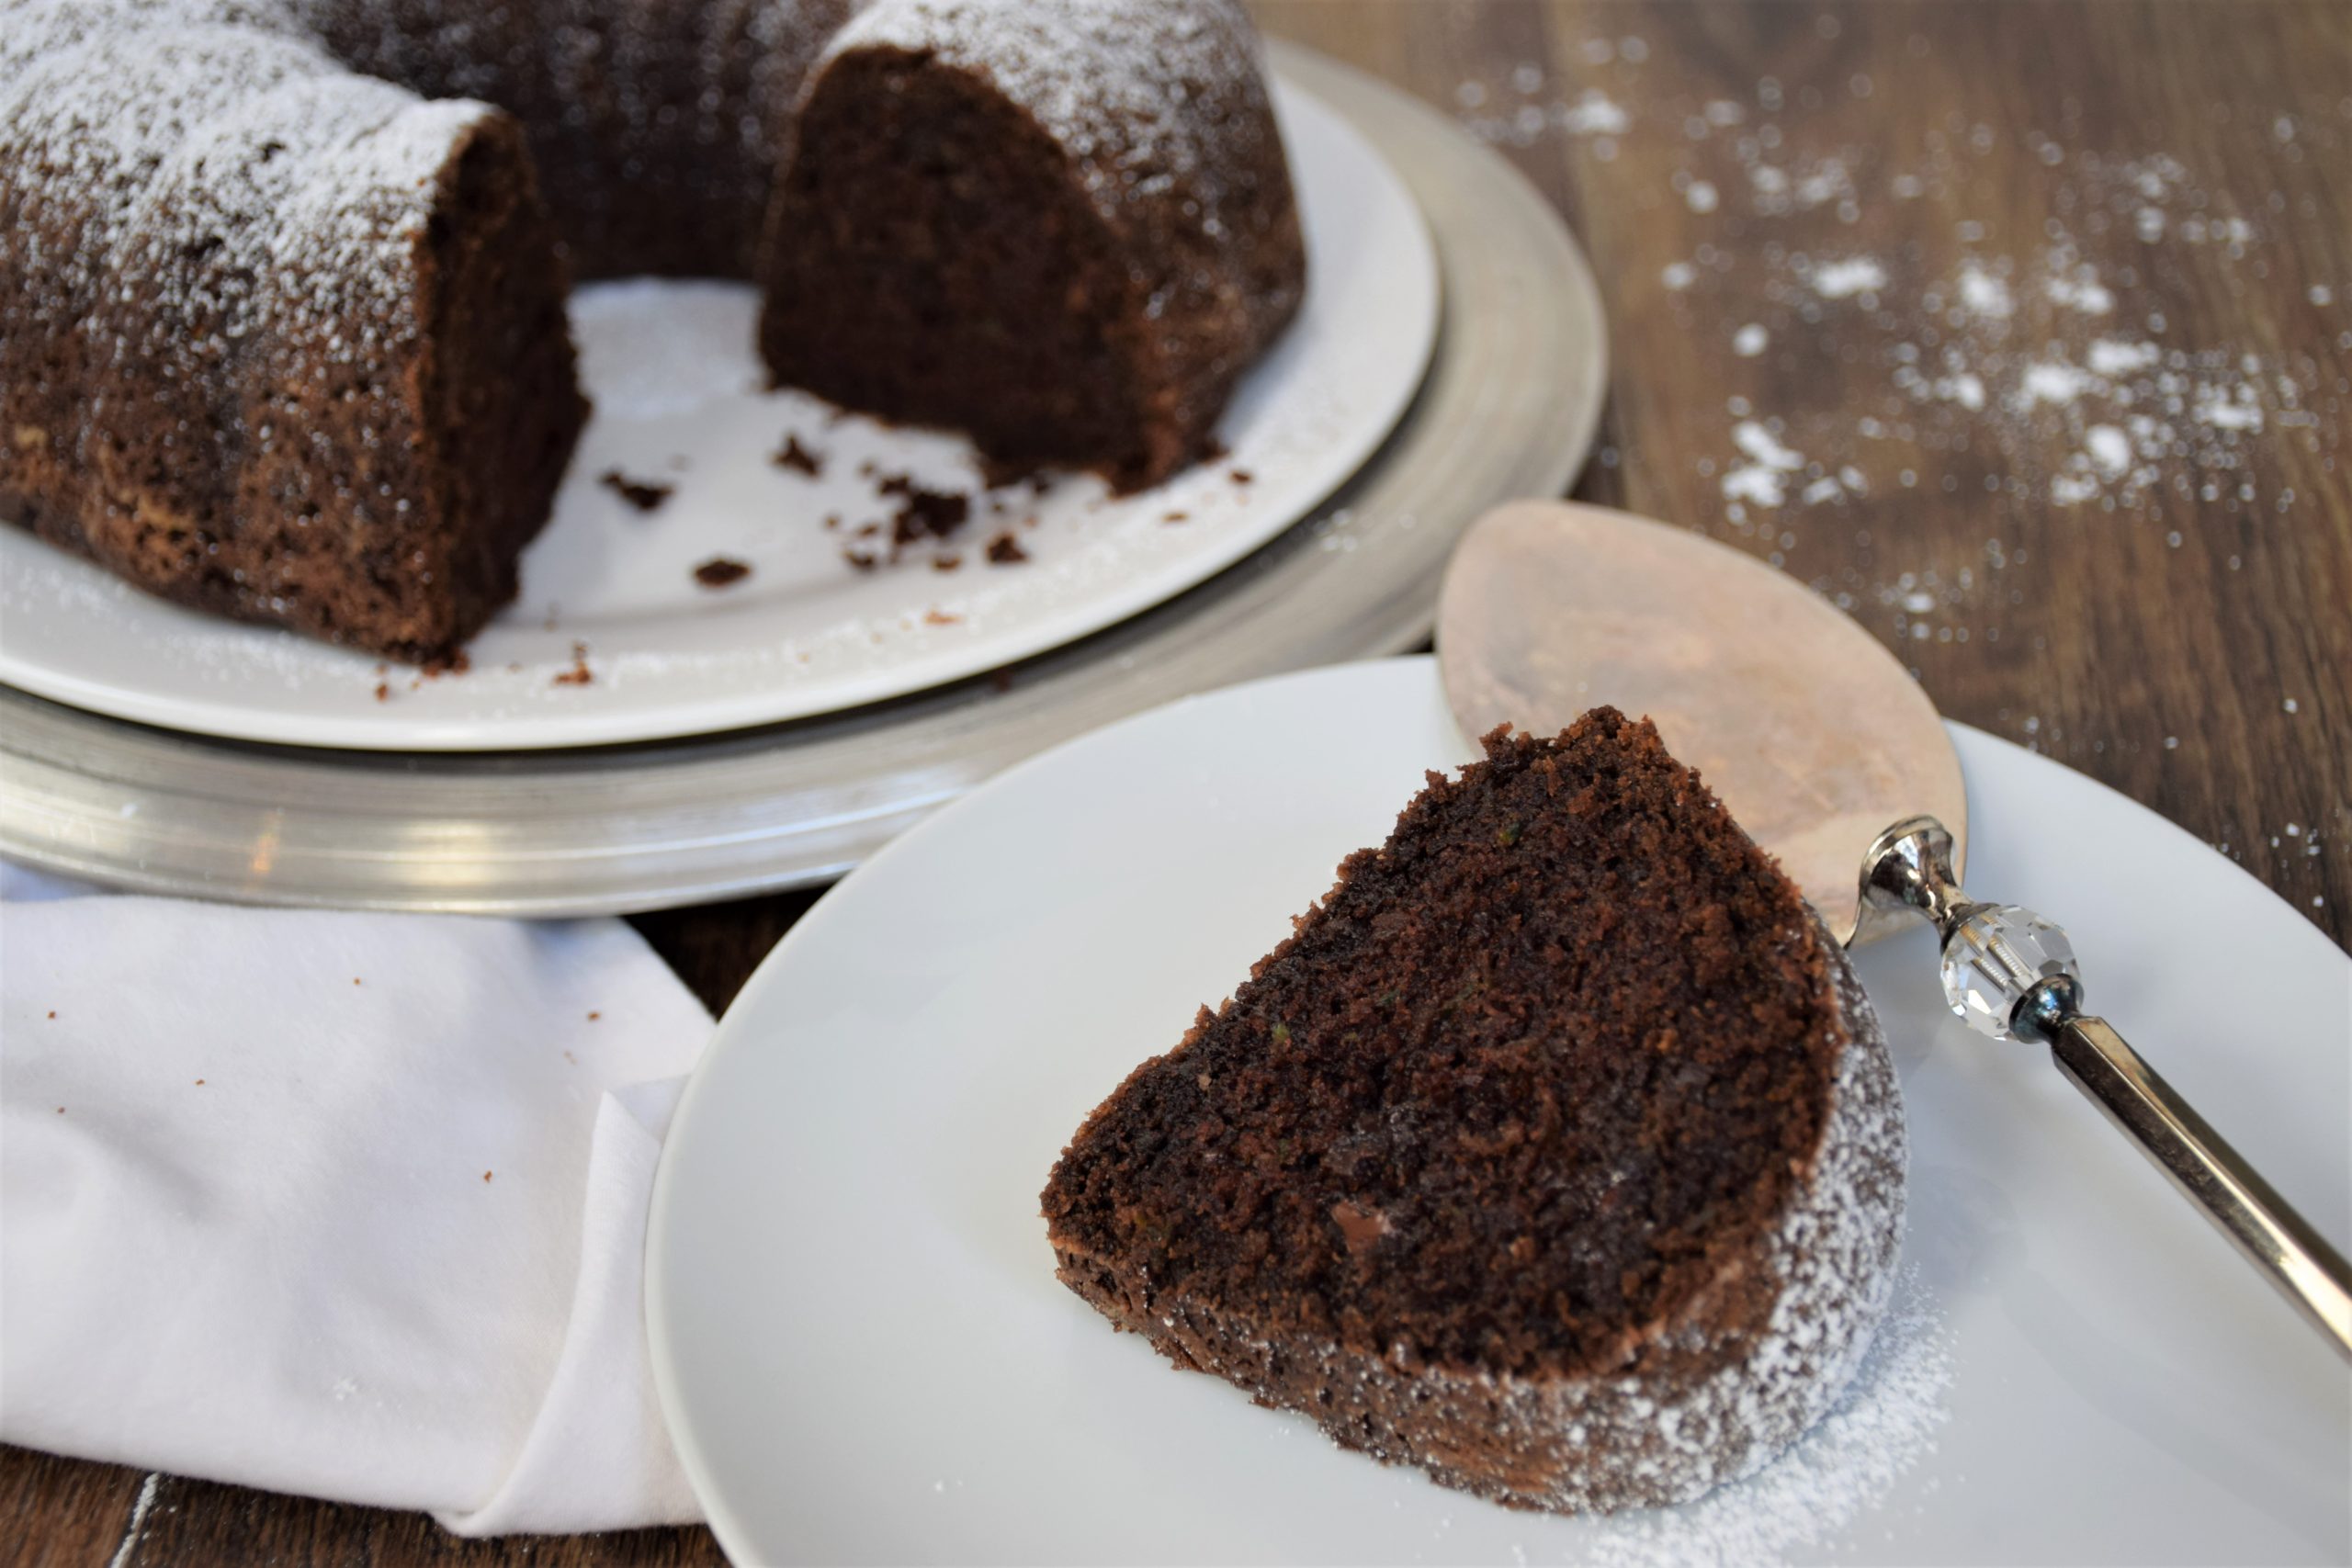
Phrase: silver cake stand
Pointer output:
(1509, 409)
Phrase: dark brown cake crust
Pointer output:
(1556, 1152)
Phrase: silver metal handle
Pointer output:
(2305, 1270)
(2011, 975)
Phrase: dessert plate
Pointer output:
(617, 635)
(865, 1355)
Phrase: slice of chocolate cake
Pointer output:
(1557, 1152)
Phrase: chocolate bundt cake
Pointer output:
(1557, 1151)
(282, 281)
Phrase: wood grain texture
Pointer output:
(2186, 638)
(2146, 614)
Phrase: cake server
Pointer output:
(1831, 756)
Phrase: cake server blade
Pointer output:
(1812, 736)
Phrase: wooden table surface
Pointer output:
(2021, 330)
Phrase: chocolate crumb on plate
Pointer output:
(579, 674)
(1176, 517)
(922, 513)
(1244, 476)
(1005, 550)
(947, 562)
(646, 495)
(721, 571)
(794, 455)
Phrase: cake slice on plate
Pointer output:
(1557, 1152)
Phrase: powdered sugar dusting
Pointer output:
(1140, 93)
(1883, 1424)
(1847, 277)
(244, 146)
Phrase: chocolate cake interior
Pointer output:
(935, 260)
(498, 375)
(1508, 1095)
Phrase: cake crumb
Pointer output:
(921, 513)
(721, 571)
(485, 1176)
(383, 692)
(938, 618)
(798, 458)
(1005, 550)
(947, 562)
(1176, 517)
(594, 1016)
(579, 674)
(1244, 476)
(646, 495)
(864, 560)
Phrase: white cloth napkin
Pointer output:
(343, 1204)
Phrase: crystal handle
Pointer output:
(2310, 1274)
(2011, 975)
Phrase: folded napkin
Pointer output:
(344, 1204)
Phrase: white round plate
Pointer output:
(679, 402)
(865, 1355)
